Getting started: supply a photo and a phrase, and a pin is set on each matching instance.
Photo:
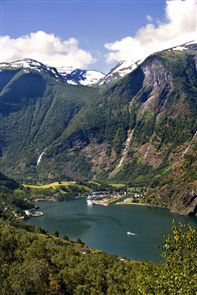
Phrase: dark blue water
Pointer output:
(106, 227)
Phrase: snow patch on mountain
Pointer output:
(121, 70)
(31, 64)
(68, 75)
(192, 45)
(80, 77)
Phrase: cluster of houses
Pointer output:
(28, 213)
(134, 194)
(103, 197)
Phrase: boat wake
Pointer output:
(131, 234)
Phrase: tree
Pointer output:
(56, 234)
(79, 241)
(178, 273)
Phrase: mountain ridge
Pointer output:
(77, 76)
(68, 75)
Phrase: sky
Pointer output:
(93, 34)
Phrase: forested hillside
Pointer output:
(32, 262)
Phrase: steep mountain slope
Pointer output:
(34, 111)
(9, 200)
(7, 183)
(148, 103)
(140, 129)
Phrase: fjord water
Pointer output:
(106, 227)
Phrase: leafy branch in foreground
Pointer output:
(178, 273)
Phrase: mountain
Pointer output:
(80, 77)
(7, 183)
(126, 67)
(120, 70)
(28, 64)
(9, 199)
(66, 74)
(35, 108)
(140, 129)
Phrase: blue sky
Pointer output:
(92, 23)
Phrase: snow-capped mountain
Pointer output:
(66, 74)
(126, 67)
(80, 77)
(74, 76)
(122, 69)
(192, 45)
(31, 64)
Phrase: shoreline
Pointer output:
(141, 204)
(101, 203)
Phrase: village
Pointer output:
(132, 195)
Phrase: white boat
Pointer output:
(130, 233)
(37, 214)
(90, 202)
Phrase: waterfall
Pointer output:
(40, 157)
(127, 143)
(124, 153)
(146, 153)
(189, 145)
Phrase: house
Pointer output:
(84, 251)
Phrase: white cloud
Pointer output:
(46, 48)
(179, 27)
(149, 18)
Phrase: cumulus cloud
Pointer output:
(149, 18)
(179, 27)
(46, 48)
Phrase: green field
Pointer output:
(50, 185)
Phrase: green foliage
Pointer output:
(144, 127)
(137, 172)
(9, 198)
(175, 131)
(189, 165)
(81, 164)
(7, 182)
(6, 76)
(119, 138)
(21, 91)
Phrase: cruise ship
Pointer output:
(90, 202)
